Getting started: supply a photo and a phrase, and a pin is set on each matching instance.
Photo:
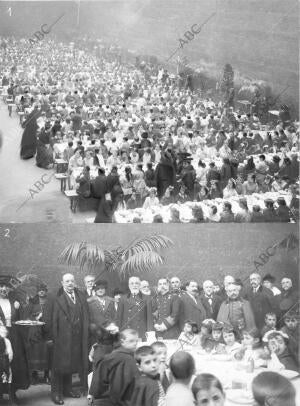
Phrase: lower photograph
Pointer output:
(158, 315)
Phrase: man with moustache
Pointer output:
(192, 308)
(261, 299)
(67, 322)
(89, 282)
(176, 286)
(210, 301)
(236, 310)
(166, 310)
(134, 311)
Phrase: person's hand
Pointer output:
(90, 400)
(16, 305)
(157, 327)
(49, 343)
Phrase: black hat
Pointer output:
(100, 284)
(9, 281)
(268, 277)
(117, 291)
(42, 286)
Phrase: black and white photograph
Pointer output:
(141, 318)
(117, 115)
(149, 111)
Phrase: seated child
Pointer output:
(113, 378)
(291, 329)
(252, 348)
(231, 344)
(281, 357)
(160, 350)
(205, 331)
(182, 366)
(272, 389)
(148, 390)
(270, 323)
(208, 390)
(6, 356)
(215, 343)
(189, 336)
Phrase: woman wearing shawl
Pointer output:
(29, 138)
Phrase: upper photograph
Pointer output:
(149, 111)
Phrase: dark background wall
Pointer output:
(258, 37)
(199, 251)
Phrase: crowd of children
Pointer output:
(142, 375)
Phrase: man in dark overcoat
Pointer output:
(67, 323)
(192, 308)
(261, 299)
(210, 300)
(134, 309)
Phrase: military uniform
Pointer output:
(166, 309)
(134, 312)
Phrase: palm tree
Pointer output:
(142, 255)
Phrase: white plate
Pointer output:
(239, 397)
(29, 323)
(288, 373)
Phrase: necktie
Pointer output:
(209, 300)
(72, 297)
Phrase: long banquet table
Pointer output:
(235, 379)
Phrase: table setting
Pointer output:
(234, 375)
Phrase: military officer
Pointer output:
(166, 309)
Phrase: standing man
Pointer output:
(166, 309)
(192, 308)
(236, 310)
(211, 302)
(176, 286)
(67, 321)
(134, 311)
(261, 300)
(89, 282)
(289, 296)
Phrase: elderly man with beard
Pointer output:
(134, 310)
(166, 309)
(210, 301)
(261, 300)
(67, 321)
(192, 308)
(236, 310)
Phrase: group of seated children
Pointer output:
(276, 349)
(132, 375)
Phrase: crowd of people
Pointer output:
(117, 341)
(146, 144)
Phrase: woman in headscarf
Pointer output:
(44, 155)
